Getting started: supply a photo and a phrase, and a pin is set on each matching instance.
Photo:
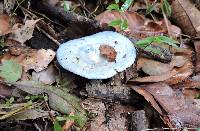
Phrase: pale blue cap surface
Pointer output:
(82, 56)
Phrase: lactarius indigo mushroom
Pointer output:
(99, 56)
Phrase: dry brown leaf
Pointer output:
(17, 50)
(47, 76)
(108, 52)
(155, 78)
(148, 97)
(182, 73)
(141, 61)
(5, 25)
(5, 91)
(174, 30)
(135, 21)
(178, 61)
(155, 68)
(173, 77)
(25, 32)
(32, 59)
(179, 77)
(139, 26)
(181, 113)
(179, 69)
(197, 50)
(38, 60)
(187, 16)
(189, 83)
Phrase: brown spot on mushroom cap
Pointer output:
(108, 52)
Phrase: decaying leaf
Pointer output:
(148, 97)
(5, 91)
(17, 108)
(32, 59)
(179, 112)
(178, 61)
(108, 52)
(24, 113)
(197, 50)
(176, 71)
(5, 25)
(187, 16)
(154, 68)
(139, 26)
(182, 72)
(135, 21)
(59, 98)
(10, 71)
(47, 76)
(30, 114)
(25, 32)
(155, 78)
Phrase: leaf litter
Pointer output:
(164, 76)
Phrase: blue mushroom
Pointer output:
(82, 56)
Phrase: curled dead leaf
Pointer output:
(47, 76)
(180, 112)
(135, 21)
(5, 25)
(32, 59)
(154, 68)
(25, 32)
(148, 97)
(138, 26)
(178, 61)
(187, 16)
(155, 78)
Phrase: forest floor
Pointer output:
(99, 65)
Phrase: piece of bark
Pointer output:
(97, 89)
(77, 26)
(139, 120)
(165, 55)
(118, 120)
(109, 116)
(96, 107)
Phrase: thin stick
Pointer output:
(15, 111)
(50, 37)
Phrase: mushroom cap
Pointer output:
(82, 56)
